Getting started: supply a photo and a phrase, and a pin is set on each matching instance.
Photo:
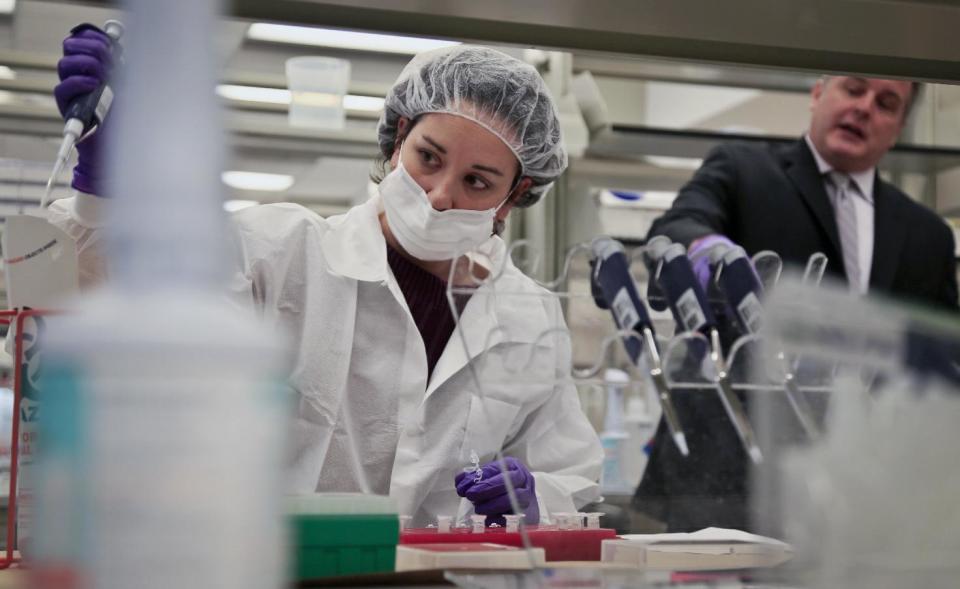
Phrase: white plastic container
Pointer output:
(34, 331)
(164, 415)
(317, 87)
(163, 446)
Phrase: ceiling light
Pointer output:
(7, 6)
(254, 94)
(282, 96)
(231, 206)
(257, 181)
(344, 39)
(678, 163)
(370, 103)
(5, 72)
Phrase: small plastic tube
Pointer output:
(405, 521)
(563, 520)
(478, 523)
(578, 520)
(593, 520)
(443, 524)
(513, 522)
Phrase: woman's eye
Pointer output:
(477, 183)
(428, 157)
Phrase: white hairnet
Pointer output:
(499, 92)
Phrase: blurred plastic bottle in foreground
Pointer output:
(160, 459)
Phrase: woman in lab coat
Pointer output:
(391, 396)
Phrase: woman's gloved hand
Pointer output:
(87, 61)
(699, 254)
(489, 495)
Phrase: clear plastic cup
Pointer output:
(317, 86)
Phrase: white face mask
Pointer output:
(424, 232)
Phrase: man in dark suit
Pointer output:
(784, 198)
(820, 194)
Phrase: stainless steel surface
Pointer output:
(732, 404)
(878, 37)
(663, 392)
(801, 408)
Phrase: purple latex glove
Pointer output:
(489, 496)
(700, 258)
(87, 61)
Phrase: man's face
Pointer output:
(856, 120)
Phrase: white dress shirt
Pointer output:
(863, 203)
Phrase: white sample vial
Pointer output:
(443, 524)
(593, 520)
(513, 522)
(405, 521)
(563, 521)
(478, 523)
(578, 520)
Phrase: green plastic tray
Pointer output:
(330, 545)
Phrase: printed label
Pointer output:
(103, 105)
(750, 312)
(33, 332)
(691, 314)
(624, 311)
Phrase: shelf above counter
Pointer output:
(622, 142)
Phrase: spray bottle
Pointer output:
(614, 435)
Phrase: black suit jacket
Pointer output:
(772, 197)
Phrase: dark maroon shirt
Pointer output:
(426, 295)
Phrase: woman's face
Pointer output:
(458, 163)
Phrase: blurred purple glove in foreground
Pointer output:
(489, 496)
(700, 259)
(87, 61)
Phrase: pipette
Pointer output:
(671, 270)
(86, 112)
(613, 288)
(741, 288)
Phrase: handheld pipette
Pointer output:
(86, 112)
(670, 268)
(742, 290)
(613, 288)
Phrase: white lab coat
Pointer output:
(367, 419)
